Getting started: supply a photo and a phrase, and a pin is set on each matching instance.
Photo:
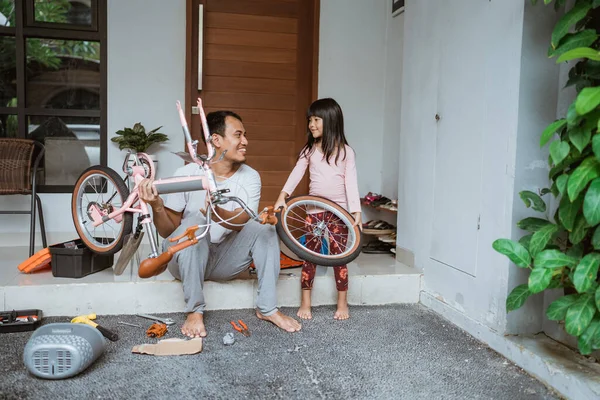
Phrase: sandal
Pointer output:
(381, 228)
(376, 248)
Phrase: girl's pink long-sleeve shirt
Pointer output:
(336, 182)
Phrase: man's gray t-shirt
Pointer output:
(191, 202)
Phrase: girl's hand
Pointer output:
(148, 193)
(357, 220)
(280, 203)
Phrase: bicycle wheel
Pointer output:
(319, 231)
(102, 189)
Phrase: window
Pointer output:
(53, 83)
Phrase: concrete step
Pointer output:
(374, 279)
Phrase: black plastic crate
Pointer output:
(73, 259)
(17, 321)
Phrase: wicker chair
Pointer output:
(18, 172)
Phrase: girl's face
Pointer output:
(315, 125)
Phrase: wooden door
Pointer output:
(259, 59)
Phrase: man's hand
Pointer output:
(149, 194)
(206, 203)
(357, 220)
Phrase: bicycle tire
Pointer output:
(330, 260)
(77, 201)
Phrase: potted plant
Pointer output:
(562, 249)
(138, 140)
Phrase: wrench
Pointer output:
(166, 321)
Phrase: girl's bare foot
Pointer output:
(194, 326)
(304, 311)
(282, 321)
(342, 311)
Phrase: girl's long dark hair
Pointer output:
(333, 140)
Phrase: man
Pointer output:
(230, 247)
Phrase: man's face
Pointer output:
(235, 141)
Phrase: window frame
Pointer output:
(25, 27)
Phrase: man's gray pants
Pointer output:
(224, 261)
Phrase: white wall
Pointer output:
(537, 108)
(352, 71)
(146, 74)
(451, 52)
(392, 105)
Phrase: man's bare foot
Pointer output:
(282, 321)
(304, 311)
(342, 311)
(194, 326)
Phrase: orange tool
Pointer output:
(243, 329)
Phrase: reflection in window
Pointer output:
(7, 12)
(63, 70)
(72, 145)
(8, 126)
(8, 72)
(63, 12)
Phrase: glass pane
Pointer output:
(8, 72)
(7, 12)
(8, 126)
(72, 145)
(75, 12)
(63, 74)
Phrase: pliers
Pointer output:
(243, 329)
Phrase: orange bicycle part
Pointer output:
(154, 266)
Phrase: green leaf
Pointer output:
(580, 314)
(595, 3)
(541, 238)
(544, 192)
(590, 338)
(586, 272)
(587, 100)
(517, 297)
(580, 137)
(546, 2)
(532, 200)
(568, 211)
(579, 231)
(557, 310)
(532, 224)
(597, 298)
(539, 279)
(561, 183)
(591, 203)
(596, 145)
(581, 52)
(577, 13)
(517, 253)
(574, 40)
(573, 118)
(559, 151)
(525, 241)
(576, 251)
(589, 169)
(554, 259)
(551, 130)
(596, 239)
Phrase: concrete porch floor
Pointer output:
(374, 279)
(385, 352)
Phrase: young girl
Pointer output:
(332, 169)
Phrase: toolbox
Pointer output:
(74, 259)
(20, 320)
